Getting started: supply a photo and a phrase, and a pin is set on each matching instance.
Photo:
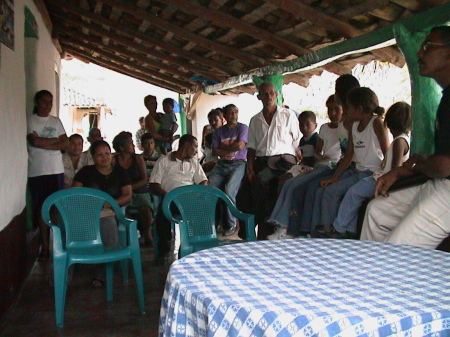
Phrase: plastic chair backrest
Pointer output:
(197, 210)
(79, 210)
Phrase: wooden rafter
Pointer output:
(229, 21)
(122, 70)
(131, 44)
(110, 56)
(298, 9)
(233, 53)
(148, 41)
(122, 51)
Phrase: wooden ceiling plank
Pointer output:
(112, 57)
(131, 44)
(129, 54)
(216, 4)
(362, 8)
(123, 70)
(188, 35)
(229, 21)
(98, 7)
(345, 29)
(149, 42)
(144, 50)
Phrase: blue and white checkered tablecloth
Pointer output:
(308, 287)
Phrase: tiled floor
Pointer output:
(86, 312)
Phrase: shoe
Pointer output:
(331, 234)
(279, 231)
(321, 229)
(230, 231)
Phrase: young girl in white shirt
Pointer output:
(367, 144)
(398, 121)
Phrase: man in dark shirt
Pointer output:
(419, 215)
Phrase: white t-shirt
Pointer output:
(171, 172)
(41, 161)
(69, 170)
(368, 154)
(280, 137)
(386, 165)
(331, 144)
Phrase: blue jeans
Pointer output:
(228, 176)
(281, 213)
(347, 217)
(334, 193)
(301, 207)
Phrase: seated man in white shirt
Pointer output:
(178, 168)
(273, 131)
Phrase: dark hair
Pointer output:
(168, 101)
(141, 119)
(398, 117)
(186, 139)
(146, 98)
(229, 106)
(307, 114)
(97, 144)
(343, 85)
(75, 135)
(443, 32)
(209, 139)
(120, 139)
(37, 97)
(365, 98)
(331, 99)
(215, 112)
(146, 136)
(94, 129)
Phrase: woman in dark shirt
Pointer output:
(134, 165)
(112, 180)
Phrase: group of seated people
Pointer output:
(297, 182)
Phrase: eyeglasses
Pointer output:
(427, 45)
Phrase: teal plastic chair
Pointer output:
(197, 211)
(76, 239)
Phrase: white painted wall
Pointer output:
(13, 103)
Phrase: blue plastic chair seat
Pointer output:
(77, 239)
(197, 210)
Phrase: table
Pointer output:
(308, 287)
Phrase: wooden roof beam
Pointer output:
(229, 21)
(150, 42)
(298, 9)
(125, 52)
(144, 50)
(112, 57)
(231, 52)
(122, 70)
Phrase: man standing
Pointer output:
(229, 144)
(178, 168)
(419, 215)
(273, 131)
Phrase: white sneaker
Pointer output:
(280, 231)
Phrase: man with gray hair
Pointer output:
(273, 131)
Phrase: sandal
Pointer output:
(97, 283)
